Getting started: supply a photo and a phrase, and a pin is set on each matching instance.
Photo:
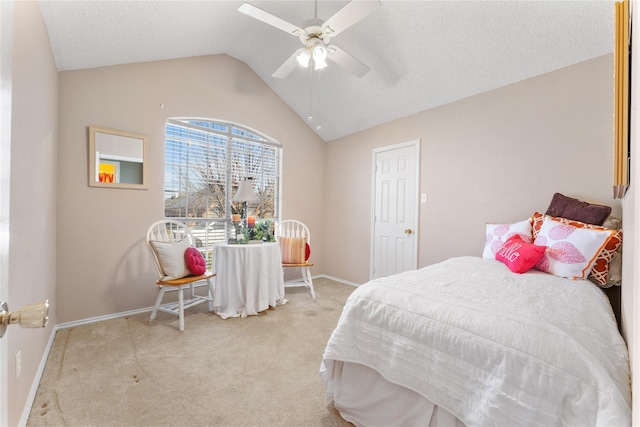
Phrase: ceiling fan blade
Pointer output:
(346, 61)
(348, 15)
(288, 66)
(267, 18)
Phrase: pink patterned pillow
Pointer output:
(600, 271)
(497, 234)
(571, 251)
(518, 255)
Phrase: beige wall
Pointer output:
(494, 157)
(32, 255)
(104, 266)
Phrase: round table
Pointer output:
(249, 279)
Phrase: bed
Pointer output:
(470, 342)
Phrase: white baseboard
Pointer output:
(101, 318)
(148, 309)
(335, 279)
(36, 381)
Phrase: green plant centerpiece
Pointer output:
(263, 231)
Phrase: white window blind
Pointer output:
(205, 161)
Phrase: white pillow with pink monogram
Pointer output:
(571, 251)
(497, 234)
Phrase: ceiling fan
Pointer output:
(315, 36)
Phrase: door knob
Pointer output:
(408, 231)
(31, 316)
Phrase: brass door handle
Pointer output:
(408, 231)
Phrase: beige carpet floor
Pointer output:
(257, 371)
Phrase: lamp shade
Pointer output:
(245, 193)
(319, 57)
(303, 58)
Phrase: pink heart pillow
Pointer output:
(195, 261)
(518, 255)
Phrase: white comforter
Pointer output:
(491, 346)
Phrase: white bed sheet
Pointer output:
(489, 346)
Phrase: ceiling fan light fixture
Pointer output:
(316, 34)
(303, 58)
(319, 57)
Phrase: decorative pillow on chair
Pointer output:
(571, 251)
(600, 271)
(497, 234)
(195, 261)
(307, 252)
(518, 255)
(293, 249)
(171, 258)
(570, 208)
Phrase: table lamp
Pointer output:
(246, 195)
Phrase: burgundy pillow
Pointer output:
(518, 255)
(577, 210)
(307, 252)
(195, 261)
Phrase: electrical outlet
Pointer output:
(18, 364)
(423, 198)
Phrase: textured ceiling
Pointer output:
(422, 54)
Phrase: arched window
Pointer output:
(205, 160)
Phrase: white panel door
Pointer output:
(395, 215)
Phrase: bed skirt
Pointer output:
(364, 398)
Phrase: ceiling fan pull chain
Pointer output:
(310, 118)
(319, 101)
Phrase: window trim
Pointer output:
(178, 121)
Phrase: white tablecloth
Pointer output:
(248, 279)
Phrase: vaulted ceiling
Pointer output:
(422, 54)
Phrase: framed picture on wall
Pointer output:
(108, 171)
